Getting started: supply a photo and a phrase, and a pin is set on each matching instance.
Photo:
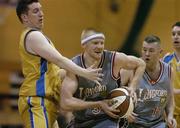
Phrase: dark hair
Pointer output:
(22, 7)
(176, 24)
(152, 39)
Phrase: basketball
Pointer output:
(122, 101)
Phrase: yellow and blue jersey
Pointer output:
(41, 76)
(40, 92)
(172, 59)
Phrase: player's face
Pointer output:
(176, 37)
(34, 16)
(151, 52)
(95, 48)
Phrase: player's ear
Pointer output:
(83, 45)
(161, 51)
(24, 17)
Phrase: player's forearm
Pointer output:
(78, 104)
(170, 110)
(170, 105)
(176, 91)
(138, 74)
(70, 66)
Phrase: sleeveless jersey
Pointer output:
(41, 77)
(175, 63)
(89, 91)
(152, 98)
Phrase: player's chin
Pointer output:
(97, 56)
(40, 25)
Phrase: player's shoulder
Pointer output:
(34, 32)
(77, 58)
(165, 64)
(168, 57)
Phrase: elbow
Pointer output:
(65, 106)
(142, 64)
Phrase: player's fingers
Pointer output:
(99, 73)
(112, 114)
(114, 110)
(134, 114)
(130, 119)
(174, 123)
(134, 97)
(97, 81)
(98, 70)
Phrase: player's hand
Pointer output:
(95, 74)
(134, 97)
(171, 122)
(132, 93)
(105, 106)
(132, 117)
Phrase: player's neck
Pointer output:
(177, 52)
(26, 26)
(153, 69)
(89, 61)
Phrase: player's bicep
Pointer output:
(126, 76)
(128, 62)
(69, 85)
(133, 62)
(40, 45)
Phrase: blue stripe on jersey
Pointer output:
(44, 110)
(30, 111)
(168, 58)
(40, 84)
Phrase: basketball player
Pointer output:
(87, 99)
(155, 92)
(39, 93)
(174, 60)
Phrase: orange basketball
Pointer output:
(122, 101)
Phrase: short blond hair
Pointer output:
(90, 34)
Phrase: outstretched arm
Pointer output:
(37, 44)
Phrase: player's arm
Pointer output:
(70, 103)
(37, 44)
(126, 77)
(176, 91)
(62, 74)
(131, 63)
(169, 109)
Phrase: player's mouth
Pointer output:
(98, 52)
(176, 42)
(41, 20)
(146, 59)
